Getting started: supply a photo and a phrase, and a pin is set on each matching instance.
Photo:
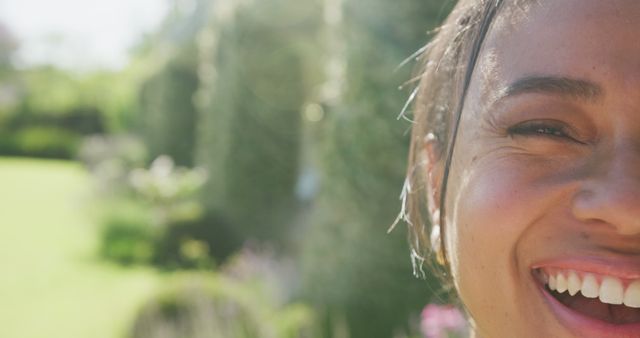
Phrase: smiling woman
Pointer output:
(525, 151)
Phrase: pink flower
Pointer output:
(438, 321)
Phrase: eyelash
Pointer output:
(552, 129)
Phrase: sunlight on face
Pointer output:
(545, 182)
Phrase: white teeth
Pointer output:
(611, 290)
(573, 283)
(561, 283)
(590, 287)
(632, 295)
(552, 282)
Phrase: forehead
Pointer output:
(585, 39)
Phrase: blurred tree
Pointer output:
(352, 269)
(168, 114)
(8, 45)
(8, 90)
(257, 69)
(167, 111)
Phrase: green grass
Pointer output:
(51, 283)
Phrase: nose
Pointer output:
(611, 192)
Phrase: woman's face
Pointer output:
(545, 180)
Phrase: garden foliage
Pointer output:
(242, 301)
(167, 118)
(256, 74)
(351, 265)
(260, 121)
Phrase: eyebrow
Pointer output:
(564, 86)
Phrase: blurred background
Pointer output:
(209, 168)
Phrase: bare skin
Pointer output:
(546, 167)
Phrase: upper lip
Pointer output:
(623, 267)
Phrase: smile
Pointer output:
(604, 297)
(595, 304)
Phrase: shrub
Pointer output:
(127, 236)
(84, 120)
(47, 142)
(242, 301)
(149, 218)
(130, 235)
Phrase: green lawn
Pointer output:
(51, 284)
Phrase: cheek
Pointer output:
(489, 209)
(490, 214)
(487, 218)
(491, 204)
(496, 201)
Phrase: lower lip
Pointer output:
(587, 327)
